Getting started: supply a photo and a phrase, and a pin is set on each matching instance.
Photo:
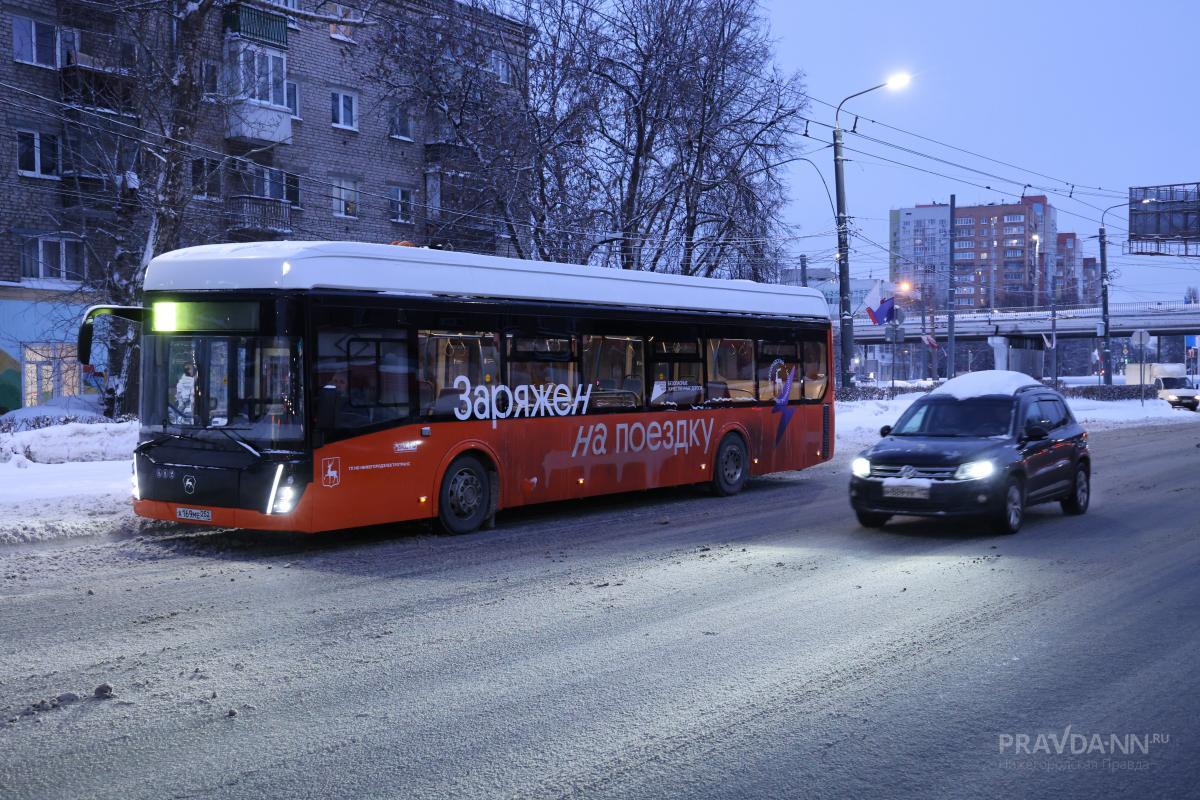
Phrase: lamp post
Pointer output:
(1106, 362)
(898, 81)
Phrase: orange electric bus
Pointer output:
(312, 386)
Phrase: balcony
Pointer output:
(248, 216)
(255, 123)
(257, 24)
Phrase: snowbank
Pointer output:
(76, 441)
(1101, 414)
(82, 408)
(50, 501)
(985, 382)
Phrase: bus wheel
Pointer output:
(466, 496)
(731, 467)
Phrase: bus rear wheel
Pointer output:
(731, 467)
(465, 499)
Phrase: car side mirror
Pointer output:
(886, 430)
(1036, 432)
(327, 399)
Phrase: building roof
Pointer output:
(390, 269)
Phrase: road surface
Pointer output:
(662, 645)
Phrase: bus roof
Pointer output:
(391, 269)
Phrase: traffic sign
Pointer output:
(894, 333)
(1140, 337)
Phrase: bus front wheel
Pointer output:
(466, 496)
(731, 467)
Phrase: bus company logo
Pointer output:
(331, 471)
(189, 484)
(783, 391)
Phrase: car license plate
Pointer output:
(194, 514)
(906, 489)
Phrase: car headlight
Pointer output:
(861, 467)
(1171, 398)
(975, 470)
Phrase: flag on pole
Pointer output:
(871, 301)
(880, 311)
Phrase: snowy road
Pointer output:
(665, 645)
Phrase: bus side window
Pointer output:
(541, 360)
(816, 370)
(613, 366)
(446, 356)
(370, 370)
(730, 371)
(676, 373)
(779, 364)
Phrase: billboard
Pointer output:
(1164, 220)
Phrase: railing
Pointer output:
(245, 212)
(1067, 312)
(256, 23)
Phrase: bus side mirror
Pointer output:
(327, 400)
(886, 430)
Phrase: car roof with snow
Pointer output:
(392, 269)
(986, 383)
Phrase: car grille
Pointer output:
(893, 471)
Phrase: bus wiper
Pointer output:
(236, 438)
(162, 437)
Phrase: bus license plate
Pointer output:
(194, 514)
(908, 490)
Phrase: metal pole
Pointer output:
(950, 300)
(843, 237)
(1106, 363)
(803, 270)
(1054, 318)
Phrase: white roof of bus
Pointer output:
(419, 271)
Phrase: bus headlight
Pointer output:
(135, 489)
(285, 499)
(860, 467)
(975, 470)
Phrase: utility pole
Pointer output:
(843, 240)
(950, 300)
(803, 270)
(1054, 317)
(1106, 362)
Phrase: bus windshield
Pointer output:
(248, 385)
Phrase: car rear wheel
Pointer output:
(1081, 492)
(731, 467)
(1012, 511)
(870, 520)
(465, 499)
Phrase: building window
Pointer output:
(983, 256)
(401, 205)
(965, 221)
(964, 244)
(1018, 229)
(345, 197)
(291, 189)
(206, 178)
(50, 370)
(35, 42)
(293, 4)
(401, 123)
(52, 258)
(1014, 217)
(500, 66)
(1014, 242)
(261, 75)
(292, 92)
(37, 154)
(209, 78)
(342, 31)
(1014, 253)
(345, 110)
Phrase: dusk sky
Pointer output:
(1098, 94)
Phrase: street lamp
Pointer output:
(1107, 360)
(895, 82)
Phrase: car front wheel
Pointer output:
(870, 520)
(1012, 511)
(1081, 492)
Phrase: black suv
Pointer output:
(988, 455)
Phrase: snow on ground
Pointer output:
(86, 408)
(72, 442)
(50, 501)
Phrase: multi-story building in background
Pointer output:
(1068, 270)
(1090, 269)
(1001, 253)
(294, 140)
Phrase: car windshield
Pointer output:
(248, 386)
(946, 416)
(1174, 383)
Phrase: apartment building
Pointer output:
(1068, 270)
(1001, 252)
(294, 140)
